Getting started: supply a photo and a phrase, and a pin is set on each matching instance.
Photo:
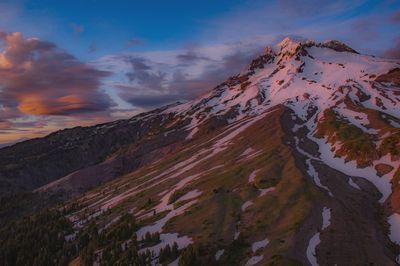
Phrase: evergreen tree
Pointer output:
(189, 257)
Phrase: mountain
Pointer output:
(293, 161)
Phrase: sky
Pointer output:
(78, 63)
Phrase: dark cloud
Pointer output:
(239, 59)
(149, 101)
(151, 87)
(394, 52)
(37, 78)
(190, 57)
(214, 73)
(144, 75)
(395, 17)
(137, 63)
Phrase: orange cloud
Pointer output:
(37, 78)
(44, 88)
(5, 124)
(36, 105)
(4, 62)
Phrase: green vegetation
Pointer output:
(22, 204)
(37, 240)
(234, 253)
(48, 238)
(356, 144)
(190, 257)
(271, 173)
(151, 239)
(168, 254)
(197, 255)
(391, 145)
(282, 260)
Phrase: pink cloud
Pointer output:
(37, 78)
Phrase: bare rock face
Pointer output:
(338, 46)
(260, 61)
(393, 76)
(383, 169)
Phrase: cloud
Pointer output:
(394, 52)
(227, 43)
(214, 73)
(158, 78)
(37, 78)
(395, 17)
(148, 101)
(4, 124)
(143, 74)
(190, 56)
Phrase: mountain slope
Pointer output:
(294, 161)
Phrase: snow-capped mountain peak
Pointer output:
(298, 73)
(290, 46)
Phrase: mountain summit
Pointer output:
(293, 161)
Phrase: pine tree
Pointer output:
(189, 257)
(174, 251)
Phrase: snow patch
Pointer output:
(265, 191)
(354, 185)
(254, 260)
(174, 263)
(252, 176)
(158, 225)
(218, 254)
(190, 195)
(246, 205)
(326, 217)
(247, 151)
(311, 254)
(312, 172)
(169, 239)
(351, 169)
(259, 244)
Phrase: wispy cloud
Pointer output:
(395, 17)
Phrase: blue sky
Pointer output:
(111, 24)
(131, 56)
(76, 25)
